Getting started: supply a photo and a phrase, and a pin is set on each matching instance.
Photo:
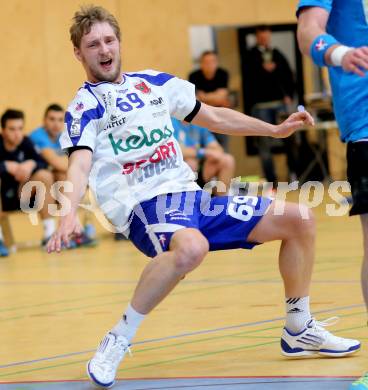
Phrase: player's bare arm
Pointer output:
(80, 163)
(227, 121)
(312, 23)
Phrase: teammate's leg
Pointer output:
(364, 273)
(362, 383)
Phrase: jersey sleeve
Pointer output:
(325, 4)
(82, 120)
(181, 98)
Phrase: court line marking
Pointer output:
(230, 284)
(180, 335)
(214, 280)
(337, 377)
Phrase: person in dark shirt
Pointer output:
(20, 163)
(271, 90)
(212, 86)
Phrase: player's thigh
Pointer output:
(155, 223)
(284, 221)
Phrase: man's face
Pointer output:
(209, 64)
(54, 122)
(263, 38)
(13, 132)
(99, 53)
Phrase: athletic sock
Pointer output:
(297, 313)
(129, 324)
(48, 227)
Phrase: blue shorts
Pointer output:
(225, 221)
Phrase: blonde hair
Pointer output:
(84, 19)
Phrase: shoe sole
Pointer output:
(96, 383)
(311, 353)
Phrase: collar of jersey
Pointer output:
(106, 82)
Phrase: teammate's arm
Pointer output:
(60, 163)
(80, 162)
(220, 97)
(312, 23)
(226, 121)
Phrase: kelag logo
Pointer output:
(138, 141)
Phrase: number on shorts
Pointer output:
(241, 207)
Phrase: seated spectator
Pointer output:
(212, 84)
(203, 153)
(20, 163)
(46, 140)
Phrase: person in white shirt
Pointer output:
(119, 135)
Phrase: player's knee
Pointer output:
(304, 224)
(190, 253)
(45, 176)
(228, 161)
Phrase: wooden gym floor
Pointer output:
(220, 328)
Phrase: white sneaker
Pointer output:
(101, 369)
(315, 339)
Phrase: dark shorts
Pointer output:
(225, 221)
(357, 161)
(10, 195)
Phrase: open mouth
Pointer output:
(106, 64)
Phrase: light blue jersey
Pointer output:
(191, 135)
(42, 140)
(348, 23)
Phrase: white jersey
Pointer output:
(128, 128)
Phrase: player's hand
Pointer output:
(356, 61)
(69, 225)
(294, 122)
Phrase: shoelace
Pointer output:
(362, 381)
(320, 325)
(115, 351)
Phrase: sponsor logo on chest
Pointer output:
(114, 121)
(157, 102)
(140, 140)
